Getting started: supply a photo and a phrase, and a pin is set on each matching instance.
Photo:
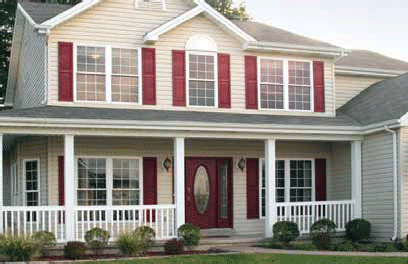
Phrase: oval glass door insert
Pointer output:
(202, 189)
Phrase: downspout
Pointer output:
(395, 179)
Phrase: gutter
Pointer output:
(344, 70)
(395, 179)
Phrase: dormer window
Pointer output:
(202, 72)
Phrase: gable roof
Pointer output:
(41, 12)
(266, 33)
(383, 101)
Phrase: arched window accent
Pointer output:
(202, 72)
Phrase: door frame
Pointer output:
(218, 160)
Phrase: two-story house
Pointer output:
(163, 112)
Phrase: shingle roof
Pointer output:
(84, 113)
(263, 32)
(372, 60)
(41, 12)
(385, 100)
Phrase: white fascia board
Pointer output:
(201, 7)
(344, 70)
(26, 15)
(293, 48)
(154, 35)
(68, 14)
(404, 120)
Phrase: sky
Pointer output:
(380, 26)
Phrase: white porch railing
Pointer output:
(27, 220)
(126, 218)
(306, 213)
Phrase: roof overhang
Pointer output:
(201, 8)
(294, 49)
(345, 70)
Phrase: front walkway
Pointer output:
(249, 249)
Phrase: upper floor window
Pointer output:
(285, 84)
(202, 71)
(106, 74)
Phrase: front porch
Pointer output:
(71, 220)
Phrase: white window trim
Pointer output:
(205, 53)
(108, 74)
(14, 184)
(109, 177)
(287, 180)
(25, 178)
(285, 84)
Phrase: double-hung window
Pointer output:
(202, 79)
(108, 74)
(285, 84)
(32, 182)
(294, 182)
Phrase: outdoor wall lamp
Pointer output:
(241, 164)
(167, 164)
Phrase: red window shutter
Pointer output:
(252, 168)
(224, 81)
(149, 76)
(65, 71)
(61, 181)
(251, 82)
(320, 167)
(318, 78)
(179, 78)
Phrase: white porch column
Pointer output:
(179, 182)
(69, 188)
(1, 183)
(356, 184)
(270, 158)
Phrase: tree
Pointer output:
(7, 15)
(226, 8)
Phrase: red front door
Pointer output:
(209, 192)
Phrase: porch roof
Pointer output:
(84, 113)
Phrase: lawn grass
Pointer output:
(264, 258)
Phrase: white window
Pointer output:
(201, 80)
(109, 181)
(294, 182)
(32, 182)
(285, 84)
(106, 74)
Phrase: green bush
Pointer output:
(343, 247)
(190, 235)
(74, 250)
(174, 247)
(145, 235)
(285, 231)
(321, 240)
(129, 244)
(97, 239)
(322, 232)
(305, 246)
(18, 247)
(358, 230)
(44, 240)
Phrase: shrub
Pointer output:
(343, 247)
(44, 240)
(145, 236)
(128, 244)
(74, 249)
(322, 232)
(276, 245)
(190, 235)
(305, 246)
(285, 231)
(97, 239)
(358, 230)
(174, 246)
(18, 247)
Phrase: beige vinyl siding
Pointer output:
(163, 148)
(339, 187)
(404, 181)
(30, 86)
(33, 148)
(348, 87)
(377, 185)
(101, 25)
